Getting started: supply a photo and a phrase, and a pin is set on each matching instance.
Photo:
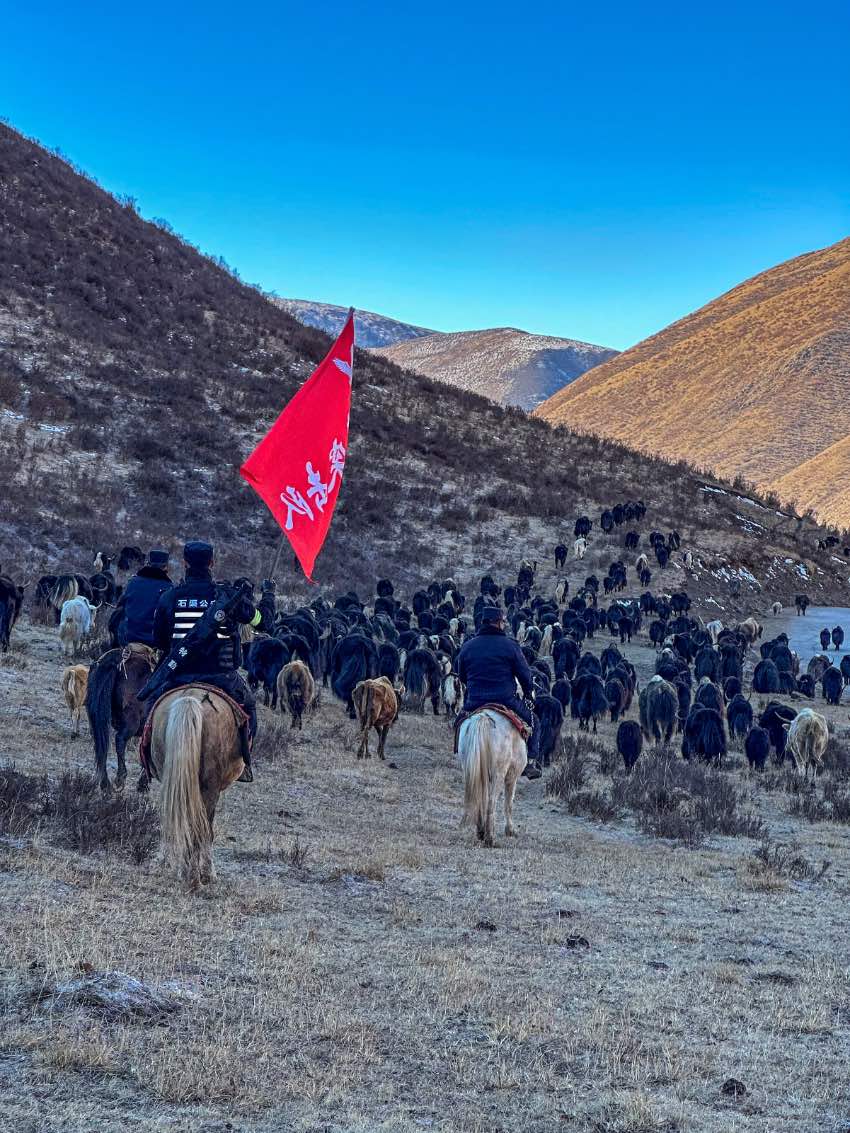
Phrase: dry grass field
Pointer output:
(362, 964)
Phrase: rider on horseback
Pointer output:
(216, 660)
(133, 618)
(490, 664)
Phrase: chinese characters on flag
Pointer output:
(297, 467)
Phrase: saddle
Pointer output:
(240, 717)
(139, 649)
(524, 729)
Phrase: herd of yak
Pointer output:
(697, 690)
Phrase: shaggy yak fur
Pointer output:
(376, 705)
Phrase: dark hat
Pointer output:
(491, 614)
(197, 553)
(158, 558)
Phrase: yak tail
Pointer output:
(66, 588)
(296, 693)
(99, 704)
(370, 696)
(415, 683)
(181, 808)
(69, 686)
(7, 617)
(478, 737)
(353, 671)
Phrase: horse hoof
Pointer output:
(510, 833)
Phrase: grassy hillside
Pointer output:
(137, 373)
(507, 365)
(754, 383)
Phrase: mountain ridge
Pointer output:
(507, 364)
(755, 361)
(371, 329)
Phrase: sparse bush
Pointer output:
(24, 801)
(787, 861)
(669, 797)
(686, 801)
(86, 820)
(274, 735)
(832, 806)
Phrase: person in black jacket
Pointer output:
(490, 665)
(267, 606)
(137, 605)
(217, 662)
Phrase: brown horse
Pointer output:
(196, 751)
(111, 699)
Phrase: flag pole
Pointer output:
(276, 559)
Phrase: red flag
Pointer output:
(297, 466)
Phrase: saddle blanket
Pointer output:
(239, 715)
(520, 724)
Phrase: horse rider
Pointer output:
(490, 664)
(267, 605)
(216, 661)
(134, 614)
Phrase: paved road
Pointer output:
(803, 632)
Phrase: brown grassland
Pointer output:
(754, 383)
(362, 964)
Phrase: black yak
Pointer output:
(589, 701)
(832, 684)
(766, 678)
(739, 714)
(704, 735)
(757, 747)
(629, 743)
(550, 716)
(354, 659)
(616, 695)
(774, 720)
(659, 706)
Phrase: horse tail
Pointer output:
(101, 686)
(479, 731)
(182, 812)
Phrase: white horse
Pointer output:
(493, 755)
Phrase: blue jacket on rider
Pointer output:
(139, 602)
(490, 664)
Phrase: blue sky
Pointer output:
(591, 173)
